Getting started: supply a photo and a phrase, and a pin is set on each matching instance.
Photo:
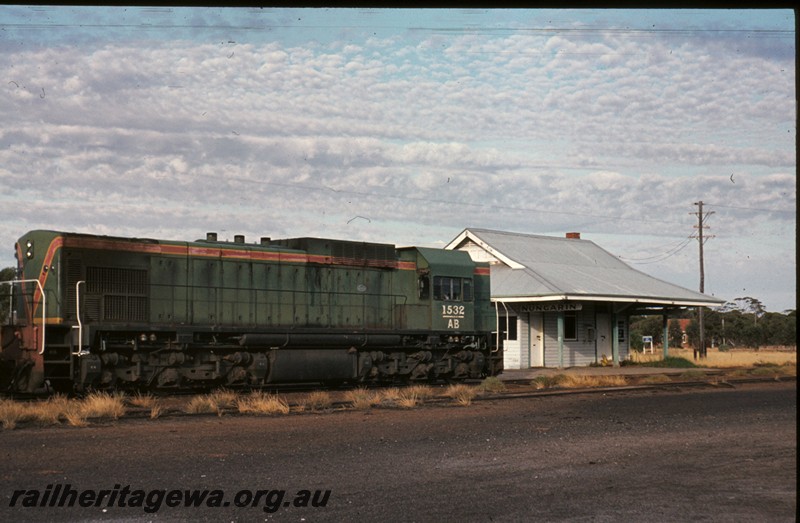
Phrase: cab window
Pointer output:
(424, 285)
(449, 288)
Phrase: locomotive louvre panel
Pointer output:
(203, 289)
(299, 297)
(260, 304)
(247, 313)
(234, 294)
(123, 292)
(169, 290)
(267, 294)
(285, 283)
(277, 298)
(318, 295)
(74, 274)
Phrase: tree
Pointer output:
(745, 322)
(645, 326)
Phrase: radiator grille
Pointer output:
(123, 292)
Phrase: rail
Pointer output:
(44, 305)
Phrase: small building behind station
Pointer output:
(565, 301)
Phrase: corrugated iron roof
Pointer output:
(539, 268)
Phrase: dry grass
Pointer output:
(423, 392)
(318, 400)
(655, 378)
(51, 411)
(577, 381)
(580, 381)
(407, 400)
(144, 401)
(390, 395)
(12, 413)
(156, 410)
(101, 405)
(262, 404)
(732, 358)
(406, 397)
(204, 404)
(692, 374)
(147, 401)
(75, 416)
(462, 394)
(224, 398)
(362, 399)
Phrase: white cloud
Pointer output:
(608, 133)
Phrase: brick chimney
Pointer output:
(574, 235)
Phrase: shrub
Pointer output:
(766, 370)
(547, 382)
(493, 384)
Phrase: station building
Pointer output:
(565, 302)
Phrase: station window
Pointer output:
(448, 288)
(570, 326)
(509, 334)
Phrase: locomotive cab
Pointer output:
(446, 282)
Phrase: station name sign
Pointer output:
(551, 307)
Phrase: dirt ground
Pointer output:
(658, 454)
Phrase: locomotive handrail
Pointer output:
(44, 305)
(78, 317)
(497, 324)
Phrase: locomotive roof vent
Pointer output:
(211, 236)
(239, 238)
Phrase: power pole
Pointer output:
(700, 219)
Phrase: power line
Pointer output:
(751, 208)
(661, 256)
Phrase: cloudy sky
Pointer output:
(407, 126)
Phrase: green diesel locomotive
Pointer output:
(100, 312)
